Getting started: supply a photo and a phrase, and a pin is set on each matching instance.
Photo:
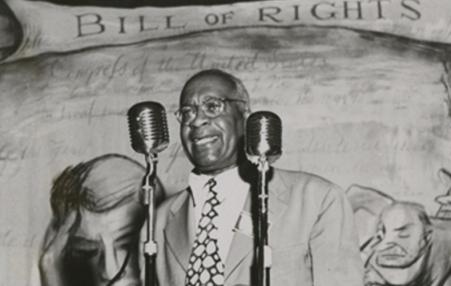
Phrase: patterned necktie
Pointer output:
(205, 265)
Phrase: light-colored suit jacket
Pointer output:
(311, 234)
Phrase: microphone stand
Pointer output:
(262, 249)
(263, 146)
(150, 245)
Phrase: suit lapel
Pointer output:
(278, 200)
(179, 230)
(243, 244)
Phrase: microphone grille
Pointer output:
(148, 127)
(264, 135)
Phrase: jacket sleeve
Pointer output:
(334, 245)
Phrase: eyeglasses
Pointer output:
(212, 107)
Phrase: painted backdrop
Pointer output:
(362, 87)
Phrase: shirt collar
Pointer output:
(198, 184)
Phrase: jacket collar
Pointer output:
(180, 229)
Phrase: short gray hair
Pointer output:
(240, 91)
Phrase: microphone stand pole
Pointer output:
(262, 250)
(150, 245)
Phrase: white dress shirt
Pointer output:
(232, 193)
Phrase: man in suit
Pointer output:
(205, 234)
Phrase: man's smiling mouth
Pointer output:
(204, 140)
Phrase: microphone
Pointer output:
(149, 135)
(263, 137)
(148, 127)
(263, 147)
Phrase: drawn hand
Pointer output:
(54, 247)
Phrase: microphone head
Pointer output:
(263, 136)
(148, 127)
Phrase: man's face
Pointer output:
(211, 144)
(105, 247)
(403, 238)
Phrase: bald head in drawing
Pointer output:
(97, 217)
(404, 230)
(402, 241)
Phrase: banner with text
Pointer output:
(48, 28)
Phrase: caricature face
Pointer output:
(211, 143)
(403, 238)
(104, 249)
